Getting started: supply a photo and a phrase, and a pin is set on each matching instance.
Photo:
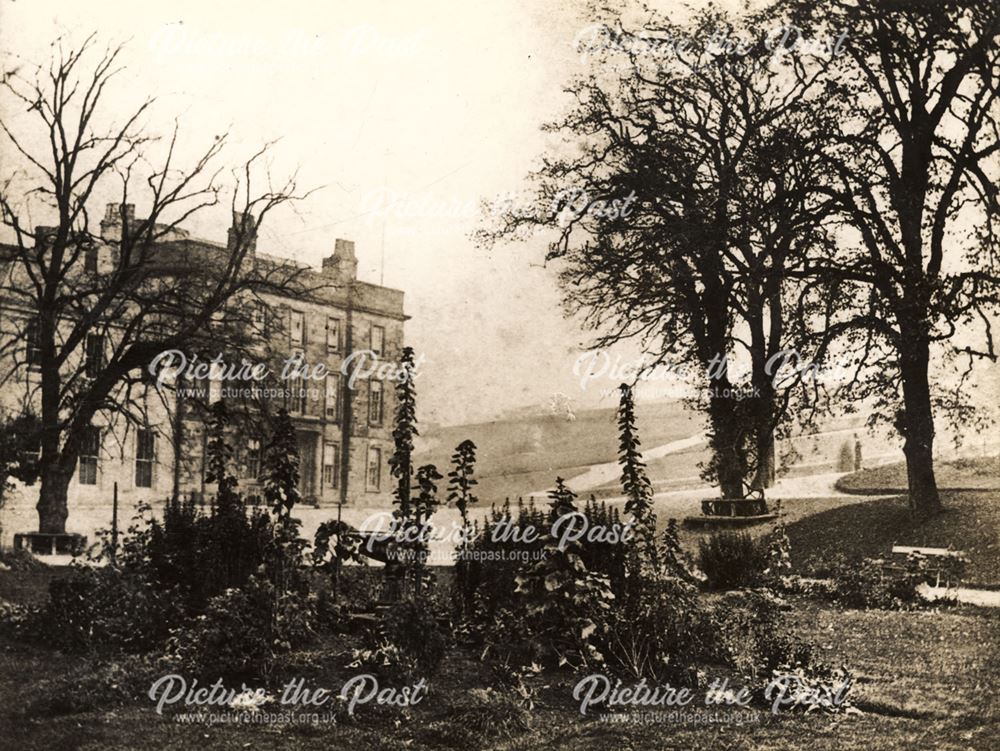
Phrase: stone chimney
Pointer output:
(111, 225)
(343, 261)
(243, 232)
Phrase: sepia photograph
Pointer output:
(509, 375)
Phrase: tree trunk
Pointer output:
(917, 428)
(52, 507)
(766, 469)
(726, 440)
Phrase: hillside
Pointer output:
(525, 453)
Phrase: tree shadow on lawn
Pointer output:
(869, 529)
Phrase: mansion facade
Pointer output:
(343, 420)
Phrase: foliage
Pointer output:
(675, 560)
(200, 554)
(778, 549)
(493, 713)
(19, 442)
(657, 632)
(424, 506)
(170, 571)
(244, 631)
(334, 543)
(564, 604)
(511, 537)
(407, 642)
(815, 689)
(730, 560)
(643, 553)
(281, 467)
(461, 481)
(752, 638)
(872, 583)
(411, 515)
(107, 609)
(403, 432)
(419, 633)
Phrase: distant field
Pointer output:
(523, 454)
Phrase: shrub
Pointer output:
(407, 642)
(201, 554)
(244, 631)
(496, 555)
(868, 584)
(385, 660)
(657, 632)
(17, 620)
(106, 609)
(195, 564)
(564, 604)
(752, 637)
(731, 560)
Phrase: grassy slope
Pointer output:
(981, 473)
(869, 529)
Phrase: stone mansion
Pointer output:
(343, 424)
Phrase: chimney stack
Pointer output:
(111, 225)
(243, 233)
(343, 261)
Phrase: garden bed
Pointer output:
(915, 674)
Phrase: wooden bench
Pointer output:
(944, 560)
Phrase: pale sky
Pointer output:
(409, 114)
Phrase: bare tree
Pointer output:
(85, 310)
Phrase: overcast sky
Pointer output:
(409, 114)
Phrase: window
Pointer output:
(374, 402)
(378, 340)
(90, 449)
(252, 466)
(94, 356)
(332, 396)
(331, 465)
(90, 260)
(374, 467)
(33, 343)
(31, 453)
(297, 396)
(297, 327)
(258, 318)
(201, 389)
(332, 335)
(145, 456)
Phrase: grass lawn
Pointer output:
(922, 681)
(971, 522)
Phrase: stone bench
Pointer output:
(50, 543)
(734, 507)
